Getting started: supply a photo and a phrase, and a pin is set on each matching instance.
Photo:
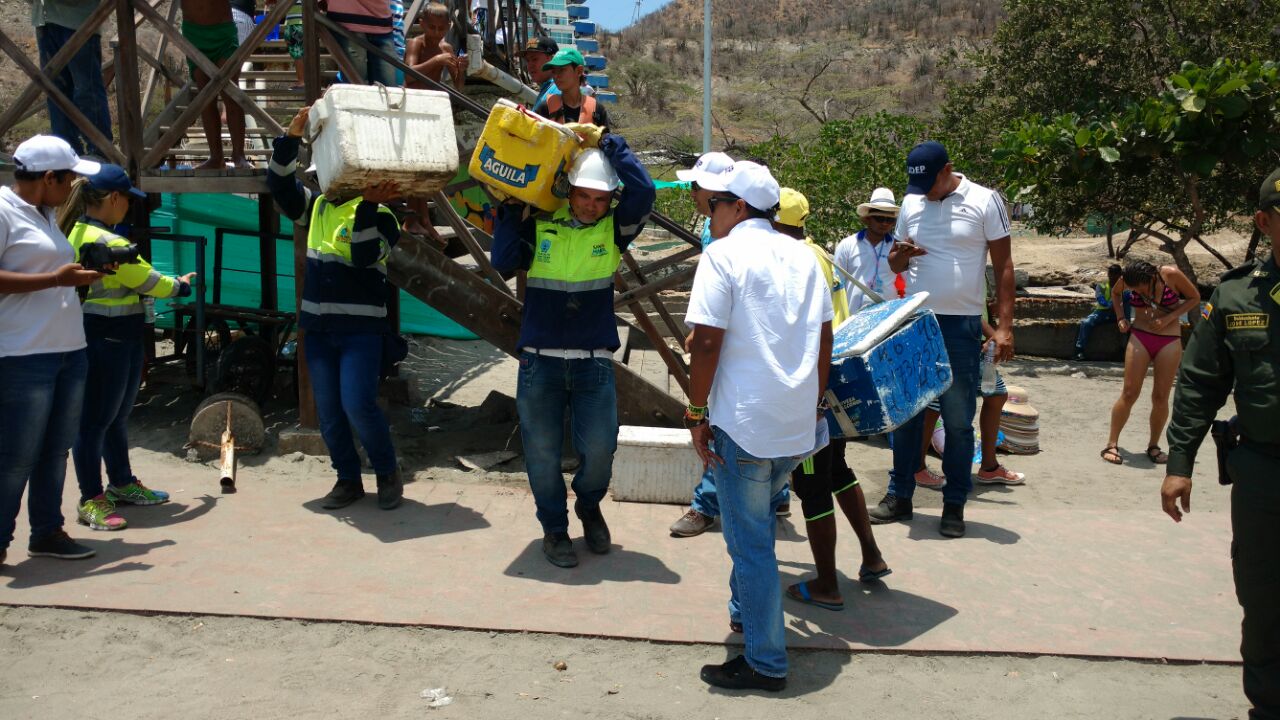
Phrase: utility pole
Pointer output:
(706, 76)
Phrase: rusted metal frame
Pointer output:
(676, 331)
(157, 66)
(675, 367)
(463, 230)
(91, 133)
(654, 287)
(219, 79)
(676, 229)
(128, 94)
(339, 56)
(409, 73)
(56, 64)
(670, 260)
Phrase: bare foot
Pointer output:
(241, 164)
(212, 164)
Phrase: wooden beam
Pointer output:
(340, 57)
(91, 133)
(655, 287)
(170, 182)
(219, 79)
(311, 52)
(675, 367)
(156, 65)
(676, 229)
(463, 229)
(128, 93)
(670, 260)
(676, 331)
(55, 64)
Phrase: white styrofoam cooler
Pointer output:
(655, 465)
(367, 134)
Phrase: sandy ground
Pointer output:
(234, 667)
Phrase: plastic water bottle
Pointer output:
(989, 369)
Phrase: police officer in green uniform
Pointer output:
(1238, 345)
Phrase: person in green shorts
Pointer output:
(291, 32)
(208, 25)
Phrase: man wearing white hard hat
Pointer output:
(568, 332)
(753, 404)
(865, 255)
(42, 344)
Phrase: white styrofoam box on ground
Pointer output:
(655, 465)
(368, 134)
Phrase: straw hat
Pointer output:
(881, 201)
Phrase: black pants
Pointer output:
(830, 475)
(1255, 563)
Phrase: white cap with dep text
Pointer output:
(750, 181)
(43, 153)
(712, 163)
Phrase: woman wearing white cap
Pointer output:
(42, 345)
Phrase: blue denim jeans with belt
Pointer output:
(344, 371)
(40, 401)
(547, 388)
(81, 81)
(962, 336)
(750, 489)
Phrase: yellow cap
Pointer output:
(793, 208)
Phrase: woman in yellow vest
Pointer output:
(826, 478)
(114, 327)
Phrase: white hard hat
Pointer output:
(593, 172)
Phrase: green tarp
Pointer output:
(200, 214)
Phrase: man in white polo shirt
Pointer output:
(946, 228)
(761, 312)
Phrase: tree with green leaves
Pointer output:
(1178, 164)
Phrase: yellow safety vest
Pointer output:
(120, 294)
(329, 240)
(573, 259)
(839, 299)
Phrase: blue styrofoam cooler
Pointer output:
(888, 363)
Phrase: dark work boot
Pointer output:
(559, 550)
(343, 494)
(594, 529)
(952, 524)
(390, 491)
(891, 509)
(738, 675)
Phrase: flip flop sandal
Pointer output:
(800, 593)
(1156, 455)
(1112, 449)
(866, 576)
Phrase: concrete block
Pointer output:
(303, 440)
(655, 465)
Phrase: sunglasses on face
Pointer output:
(720, 199)
(882, 218)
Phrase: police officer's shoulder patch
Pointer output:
(1206, 311)
(1248, 321)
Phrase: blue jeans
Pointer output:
(1091, 321)
(547, 386)
(962, 336)
(344, 371)
(115, 372)
(375, 69)
(40, 401)
(704, 495)
(81, 81)
(750, 490)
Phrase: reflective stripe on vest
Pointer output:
(586, 112)
(328, 308)
(120, 294)
(573, 259)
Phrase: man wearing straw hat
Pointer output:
(865, 255)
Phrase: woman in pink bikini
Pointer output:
(1159, 297)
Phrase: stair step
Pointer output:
(196, 129)
(281, 75)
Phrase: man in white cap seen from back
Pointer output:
(753, 404)
(865, 255)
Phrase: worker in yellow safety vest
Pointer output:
(115, 327)
(568, 332)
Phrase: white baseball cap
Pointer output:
(712, 163)
(750, 181)
(43, 153)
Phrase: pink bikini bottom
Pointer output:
(1152, 342)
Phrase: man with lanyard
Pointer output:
(753, 406)
(568, 331)
(1237, 346)
(866, 254)
(537, 53)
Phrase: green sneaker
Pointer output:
(135, 493)
(100, 514)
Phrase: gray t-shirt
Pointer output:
(67, 13)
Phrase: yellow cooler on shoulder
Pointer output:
(525, 156)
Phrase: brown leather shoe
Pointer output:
(691, 524)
